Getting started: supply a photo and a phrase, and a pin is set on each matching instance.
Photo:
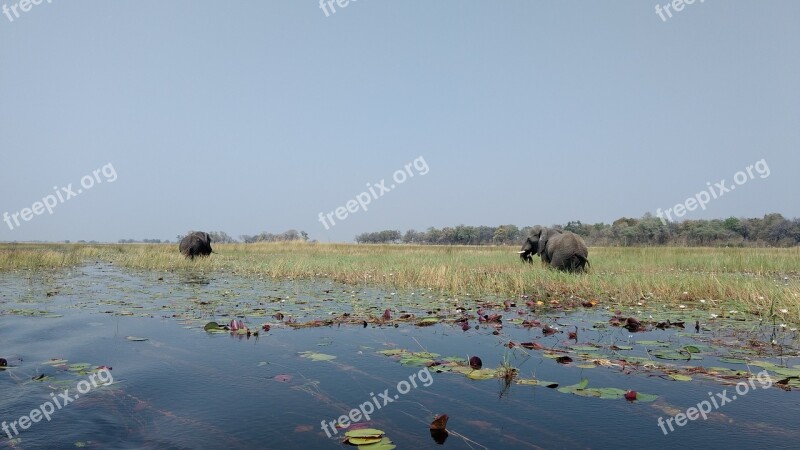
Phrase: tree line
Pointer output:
(771, 230)
(222, 237)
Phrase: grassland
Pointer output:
(757, 280)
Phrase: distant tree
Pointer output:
(508, 235)
(733, 224)
(380, 237)
(772, 229)
(578, 228)
(775, 229)
(221, 237)
(289, 235)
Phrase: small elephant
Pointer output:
(196, 243)
(563, 250)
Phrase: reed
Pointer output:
(747, 279)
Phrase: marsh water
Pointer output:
(330, 349)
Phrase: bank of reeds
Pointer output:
(748, 279)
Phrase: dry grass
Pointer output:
(746, 279)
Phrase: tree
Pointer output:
(221, 237)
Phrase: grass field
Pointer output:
(757, 280)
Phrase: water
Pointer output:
(186, 388)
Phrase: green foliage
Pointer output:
(772, 230)
(290, 235)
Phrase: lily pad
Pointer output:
(392, 352)
(364, 440)
(535, 382)
(416, 361)
(56, 362)
(786, 371)
(314, 356)
(78, 367)
(384, 444)
(763, 364)
(680, 377)
(571, 389)
(675, 355)
(364, 432)
(482, 374)
(732, 360)
(211, 326)
(640, 397)
(653, 343)
(584, 348)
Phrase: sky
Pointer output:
(146, 119)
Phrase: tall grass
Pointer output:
(745, 278)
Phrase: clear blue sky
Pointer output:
(256, 116)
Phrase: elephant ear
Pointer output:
(544, 236)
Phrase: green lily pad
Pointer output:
(455, 359)
(763, 364)
(611, 393)
(359, 441)
(364, 432)
(427, 321)
(674, 355)
(640, 397)
(786, 371)
(654, 343)
(571, 389)
(384, 444)
(482, 374)
(78, 367)
(723, 370)
(314, 356)
(587, 348)
(56, 362)
(535, 382)
(425, 355)
(211, 326)
(732, 360)
(680, 377)
(462, 369)
(392, 352)
(415, 361)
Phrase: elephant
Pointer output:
(196, 243)
(563, 250)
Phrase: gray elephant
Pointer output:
(563, 250)
(196, 243)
